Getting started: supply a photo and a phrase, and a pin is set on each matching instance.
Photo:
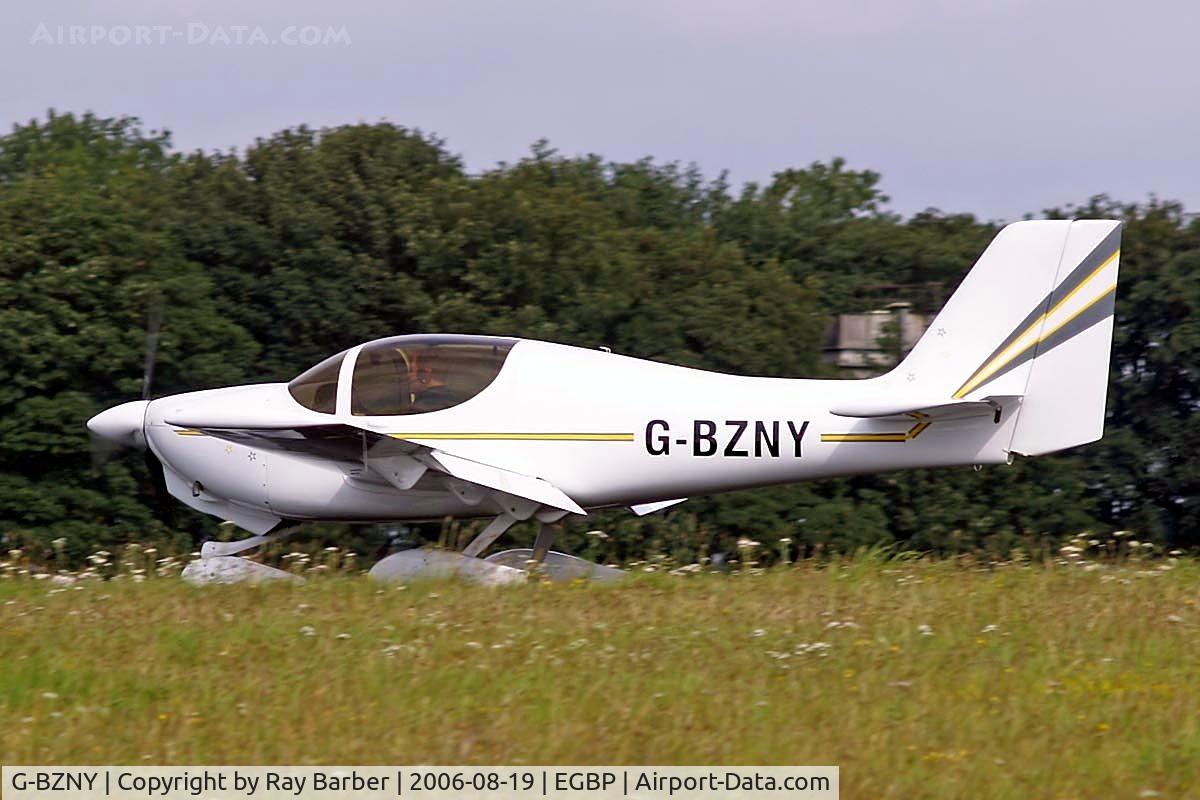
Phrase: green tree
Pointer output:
(85, 253)
(311, 241)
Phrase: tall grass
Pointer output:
(1069, 678)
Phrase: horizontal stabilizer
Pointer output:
(933, 410)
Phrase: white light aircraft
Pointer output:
(425, 427)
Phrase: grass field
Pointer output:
(920, 679)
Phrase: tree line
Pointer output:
(266, 261)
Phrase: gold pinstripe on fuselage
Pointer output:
(520, 437)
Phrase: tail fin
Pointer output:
(1033, 318)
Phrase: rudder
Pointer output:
(1067, 388)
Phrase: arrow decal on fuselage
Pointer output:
(899, 436)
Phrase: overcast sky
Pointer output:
(998, 108)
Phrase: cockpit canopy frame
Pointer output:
(402, 375)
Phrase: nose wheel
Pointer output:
(219, 562)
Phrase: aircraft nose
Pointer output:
(121, 424)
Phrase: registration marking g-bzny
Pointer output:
(731, 438)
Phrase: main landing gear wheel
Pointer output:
(219, 562)
(232, 569)
(508, 566)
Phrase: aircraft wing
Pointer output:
(333, 441)
(401, 462)
(934, 410)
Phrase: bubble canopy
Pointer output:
(406, 374)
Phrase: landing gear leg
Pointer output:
(545, 539)
(489, 534)
(216, 549)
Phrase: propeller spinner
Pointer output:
(121, 424)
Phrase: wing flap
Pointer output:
(503, 480)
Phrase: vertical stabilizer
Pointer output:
(1033, 319)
